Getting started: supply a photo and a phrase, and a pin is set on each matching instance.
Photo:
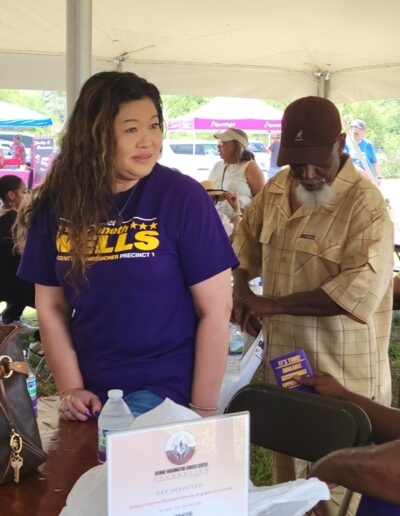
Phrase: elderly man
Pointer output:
(320, 236)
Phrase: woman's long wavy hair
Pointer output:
(79, 186)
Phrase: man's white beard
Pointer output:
(315, 199)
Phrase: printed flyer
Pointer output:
(192, 468)
(286, 367)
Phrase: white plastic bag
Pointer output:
(249, 365)
(294, 498)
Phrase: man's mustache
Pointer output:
(312, 182)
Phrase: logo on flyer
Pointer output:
(180, 448)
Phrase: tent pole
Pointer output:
(79, 48)
(323, 80)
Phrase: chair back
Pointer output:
(301, 424)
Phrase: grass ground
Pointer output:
(260, 458)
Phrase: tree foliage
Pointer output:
(175, 106)
(50, 103)
(382, 118)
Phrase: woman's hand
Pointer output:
(78, 405)
(233, 200)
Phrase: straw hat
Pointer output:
(211, 189)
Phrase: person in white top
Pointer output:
(218, 197)
(237, 172)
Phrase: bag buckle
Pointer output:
(5, 360)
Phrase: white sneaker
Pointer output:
(24, 328)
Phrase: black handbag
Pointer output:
(20, 445)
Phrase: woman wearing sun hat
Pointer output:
(237, 172)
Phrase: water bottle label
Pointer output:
(31, 384)
(236, 347)
(101, 453)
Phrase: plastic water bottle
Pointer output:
(31, 385)
(237, 341)
(115, 415)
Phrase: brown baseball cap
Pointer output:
(310, 128)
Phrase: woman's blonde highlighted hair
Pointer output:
(79, 186)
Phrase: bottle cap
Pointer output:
(115, 394)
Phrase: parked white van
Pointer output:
(194, 158)
(260, 155)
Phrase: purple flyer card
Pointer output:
(286, 367)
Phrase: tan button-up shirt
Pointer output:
(345, 248)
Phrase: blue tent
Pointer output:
(12, 115)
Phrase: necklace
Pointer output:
(120, 218)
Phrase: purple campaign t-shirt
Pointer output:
(134, 324)
(370, 506)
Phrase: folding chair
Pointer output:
(38, 361)
(301, 424)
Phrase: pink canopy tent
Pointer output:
(221, 113)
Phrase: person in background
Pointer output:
(17, 293)
(18, 150)
(218, 196)
(357, 128)
(396, 285)
(131, 263)
(2, 160)
(373, 471)
(321, 238)
(237, 172)
(273, 149)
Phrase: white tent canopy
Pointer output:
(344, 50)
(223, 112)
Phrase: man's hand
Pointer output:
(323, 383)
(240, 313)
(248, 310)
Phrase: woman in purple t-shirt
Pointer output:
(130, 261)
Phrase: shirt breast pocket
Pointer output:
(265, 239)
(318, 259)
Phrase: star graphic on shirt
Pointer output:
(143, 226)
(134, 225)
(153, 225)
